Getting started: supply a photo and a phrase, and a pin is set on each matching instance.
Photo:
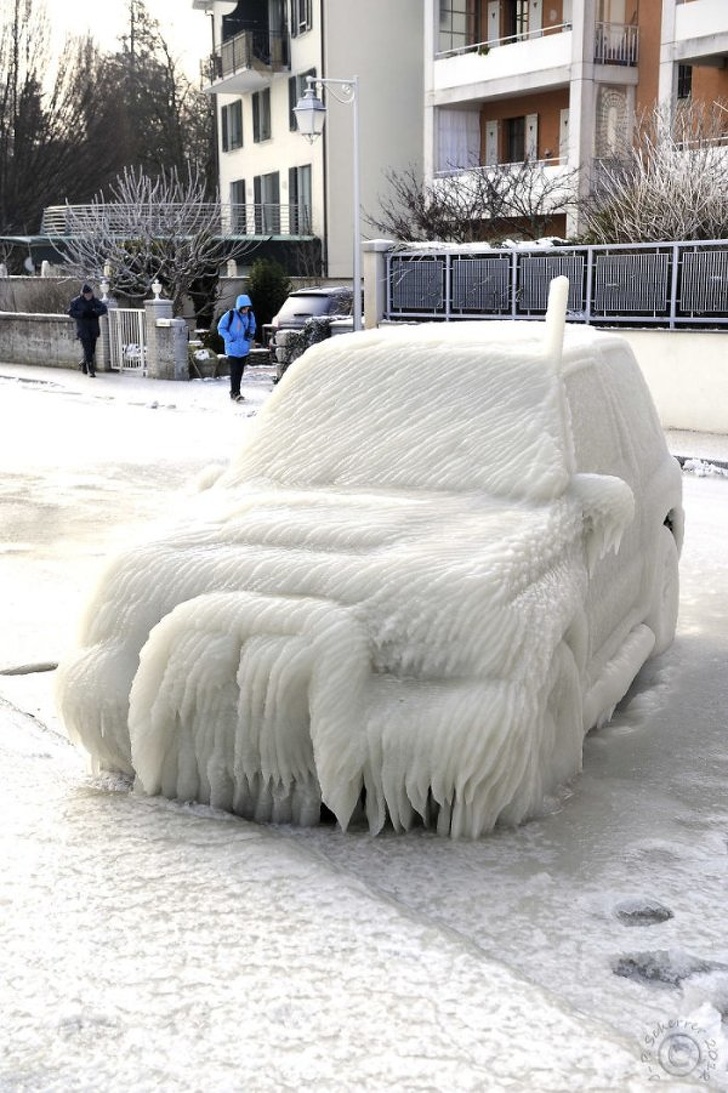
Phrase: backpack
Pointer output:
(230, 314)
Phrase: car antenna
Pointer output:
(556, 318)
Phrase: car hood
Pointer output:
(439, 564)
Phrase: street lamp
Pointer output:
(310, 118)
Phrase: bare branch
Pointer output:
(669, 185)
(153, 228)
(481, 204)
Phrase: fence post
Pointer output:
(103, 346)
(374, 268)
(676, 255)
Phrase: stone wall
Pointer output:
(39, 339)
(687, 374)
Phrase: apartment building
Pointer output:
(299, 196)
(560, 81)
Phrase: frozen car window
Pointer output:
(613, 420)
(366, 414)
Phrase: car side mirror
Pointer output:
(607, 505)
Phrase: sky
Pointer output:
(147, 943)
(186, 31)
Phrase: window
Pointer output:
(232, 126)
(684, 81)
(299, 197)
(459, 24)
(516, 18)
(515, 140)
(296, 87)
(458, 139)
(301, 17)
(238, 219)
(267, 195)
(261, 115)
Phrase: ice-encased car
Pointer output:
(441, 557)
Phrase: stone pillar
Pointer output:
(166, 342)
(582, 105)
(668, 69)
(375, 279)
(103, 345)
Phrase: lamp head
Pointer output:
(310, 115)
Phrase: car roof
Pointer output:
(357, 412)
(337, 290)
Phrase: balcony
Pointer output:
(246, 62)
(177, 221)
(616, 44)
(701, 33)
(532, 61)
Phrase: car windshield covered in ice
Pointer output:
(441, 557)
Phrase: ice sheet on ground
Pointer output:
(165, 943)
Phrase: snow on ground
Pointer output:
(152, 946)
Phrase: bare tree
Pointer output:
(152, 228)
(165, 121)
(45, 118)
(670, 184)
(64, 136)
(481, 204)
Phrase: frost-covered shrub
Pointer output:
(291, 344)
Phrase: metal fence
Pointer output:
(659, 284)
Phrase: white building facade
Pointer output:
(278, 186)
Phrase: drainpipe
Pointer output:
(325, 157)
(213, 101)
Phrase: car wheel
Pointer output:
(662, 619)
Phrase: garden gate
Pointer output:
(127, 340)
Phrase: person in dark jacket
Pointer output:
(86, 310)
(237, 328)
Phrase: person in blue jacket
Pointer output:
(237, 327)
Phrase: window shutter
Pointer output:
(532, 136)
(256, 116)
(491, 143)
(564, 135)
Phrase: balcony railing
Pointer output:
(616, 44)
(177, 220)
(484, 48)
(249, 49)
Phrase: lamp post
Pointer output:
(310, 118)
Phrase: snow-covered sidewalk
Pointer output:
(210, 394)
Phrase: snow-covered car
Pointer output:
(441, 557)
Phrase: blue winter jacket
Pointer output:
(238, 328)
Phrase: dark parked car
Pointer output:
(307, 303)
